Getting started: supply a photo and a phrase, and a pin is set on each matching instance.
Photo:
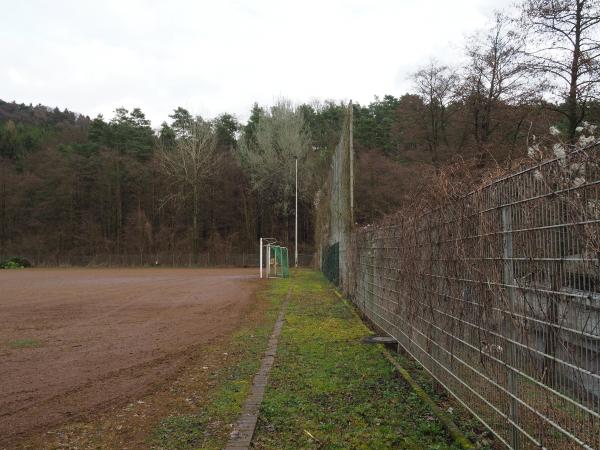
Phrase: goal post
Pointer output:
(274, 259)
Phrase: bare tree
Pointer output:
(436, 85)
(189, 166)
(564, 47)
(279, 137)
(495, 75)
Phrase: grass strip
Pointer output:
(453, 430)
(446, 420)
(329, 390)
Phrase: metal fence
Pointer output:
(497, 295)
(162, 259)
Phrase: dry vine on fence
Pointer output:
(497, 293)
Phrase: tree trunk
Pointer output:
(195, 209)
(572, 104)
(119, 207)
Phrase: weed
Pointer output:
(24, 343)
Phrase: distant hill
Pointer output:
(39, 114)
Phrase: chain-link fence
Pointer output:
(497, 295)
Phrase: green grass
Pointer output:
(208, 428)
(24, 343)
(326, 390)
(329, 390)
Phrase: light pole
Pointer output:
(296, 230)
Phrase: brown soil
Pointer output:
(77, 342)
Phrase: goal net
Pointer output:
(273, 259)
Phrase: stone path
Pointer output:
(243, 430)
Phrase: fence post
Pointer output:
(370, 297)
(508, 280)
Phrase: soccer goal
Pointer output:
(273, 259)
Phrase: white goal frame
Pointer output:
(265, 243)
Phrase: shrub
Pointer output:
(15, 263)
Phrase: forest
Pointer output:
(75, 185)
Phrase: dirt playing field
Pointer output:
(74, 342)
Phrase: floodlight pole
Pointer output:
(296, 230)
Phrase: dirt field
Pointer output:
(74, 342)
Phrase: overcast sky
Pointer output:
(222, 56)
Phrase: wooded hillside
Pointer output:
(70, 184)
